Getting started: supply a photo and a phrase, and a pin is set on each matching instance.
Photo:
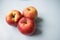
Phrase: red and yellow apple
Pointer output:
(30, 12)
(12, 17)
(26, 26)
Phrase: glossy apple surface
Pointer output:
(30, 12)
(26, 26)
(12, 17)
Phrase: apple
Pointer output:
(13, 17)
(30, 12)
(26, 26)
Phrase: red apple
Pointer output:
(12, 17)
(26, 26)
(30, 12)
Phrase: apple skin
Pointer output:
(13, 17)
(30, 12)
(26, 26)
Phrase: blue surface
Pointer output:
(48, 11)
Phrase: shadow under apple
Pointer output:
(38, 22)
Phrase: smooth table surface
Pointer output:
(47, 29)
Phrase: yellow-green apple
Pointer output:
(26, 26)
(12, 17)
(30, 12)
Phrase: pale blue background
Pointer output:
(48, 10)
